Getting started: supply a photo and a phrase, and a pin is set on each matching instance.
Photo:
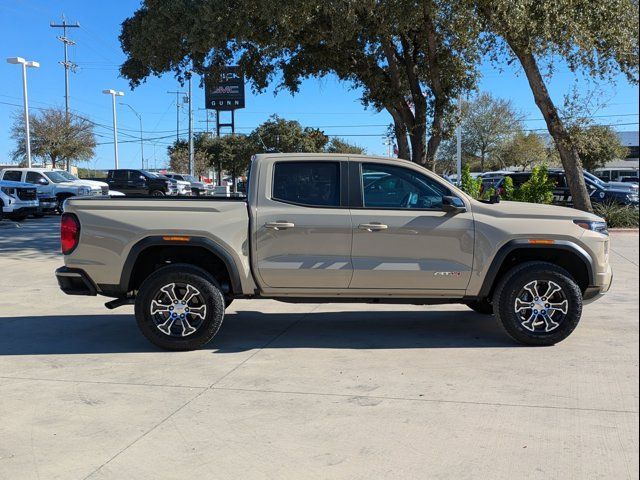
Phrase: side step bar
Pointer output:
(118, 302)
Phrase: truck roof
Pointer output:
(328, 156)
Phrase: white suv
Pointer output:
(56, 183)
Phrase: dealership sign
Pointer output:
(226, 94)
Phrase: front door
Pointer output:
(402, 239)
(303, 226)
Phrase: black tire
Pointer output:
(61, 198)
(157, 193)
(541, 330)
(484, 306)
(181, 276)
(21, 218)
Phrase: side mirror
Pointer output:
(42, 181)
(453, 205)
(143, 178)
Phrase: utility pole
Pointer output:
(177, 94)
(66, 64)
(191, 153)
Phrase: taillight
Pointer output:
(69, 233)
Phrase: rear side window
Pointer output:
(120, 174)
(307, 183)
(12, 175)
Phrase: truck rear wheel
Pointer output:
(179, 307)
(538, 303)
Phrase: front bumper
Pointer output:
(47, 205)
(74, 281)
(20, 212)
(595, 292)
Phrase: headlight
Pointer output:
(8, 191)
(600, 227)
(84, 191)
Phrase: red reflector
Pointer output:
(69, 233)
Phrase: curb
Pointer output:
(624, 230)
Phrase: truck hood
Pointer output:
(11, 184)
(533, 211)
(90, 183)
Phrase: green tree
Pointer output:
(597, 39)
(280, 135)
(409, 58)
(597, 145)
(487, 123)
(55, 138)
(523, 150)
(179, 155)
(339, 145)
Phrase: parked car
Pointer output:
(631, 180)
(52, 183)
(94, 184)
(310, 230)
(137, 183)
(198, 188)
(599, 191)
(608, 185)
(18, 200)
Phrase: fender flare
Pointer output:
(507, 248)
(157, 240)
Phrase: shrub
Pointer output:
(617, 216)
(538, 189)
(468, 184)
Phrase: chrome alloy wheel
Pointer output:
(541, 306)
(178, 309)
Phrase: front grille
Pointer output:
(105, 190)
(27, 193)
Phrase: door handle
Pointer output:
(279, 225)
(373, 227)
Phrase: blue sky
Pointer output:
(324, 103)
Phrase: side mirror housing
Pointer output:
(453, 204)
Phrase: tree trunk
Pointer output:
(401, 138)
(418, 137)
(437, 127)
(568, 154)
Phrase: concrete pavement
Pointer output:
(308, 391)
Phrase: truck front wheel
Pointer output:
(179, 307)
(538, 303)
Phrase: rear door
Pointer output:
(402, 239)
(303, 226)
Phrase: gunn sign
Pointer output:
(228, 93)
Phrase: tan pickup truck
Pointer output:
(334, 228)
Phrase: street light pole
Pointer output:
(25, 64)
(141, 142)
(459, 142)
(114, 94)
(191, 153)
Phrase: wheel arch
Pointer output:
(199, 251)
(568, 255)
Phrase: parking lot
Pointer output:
(308, 391)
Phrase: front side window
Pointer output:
(307, 183)
(388, 186)
(120, 175)
(35, 177)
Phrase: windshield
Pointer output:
(55, 177)
(67, 175)
(595, 179)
